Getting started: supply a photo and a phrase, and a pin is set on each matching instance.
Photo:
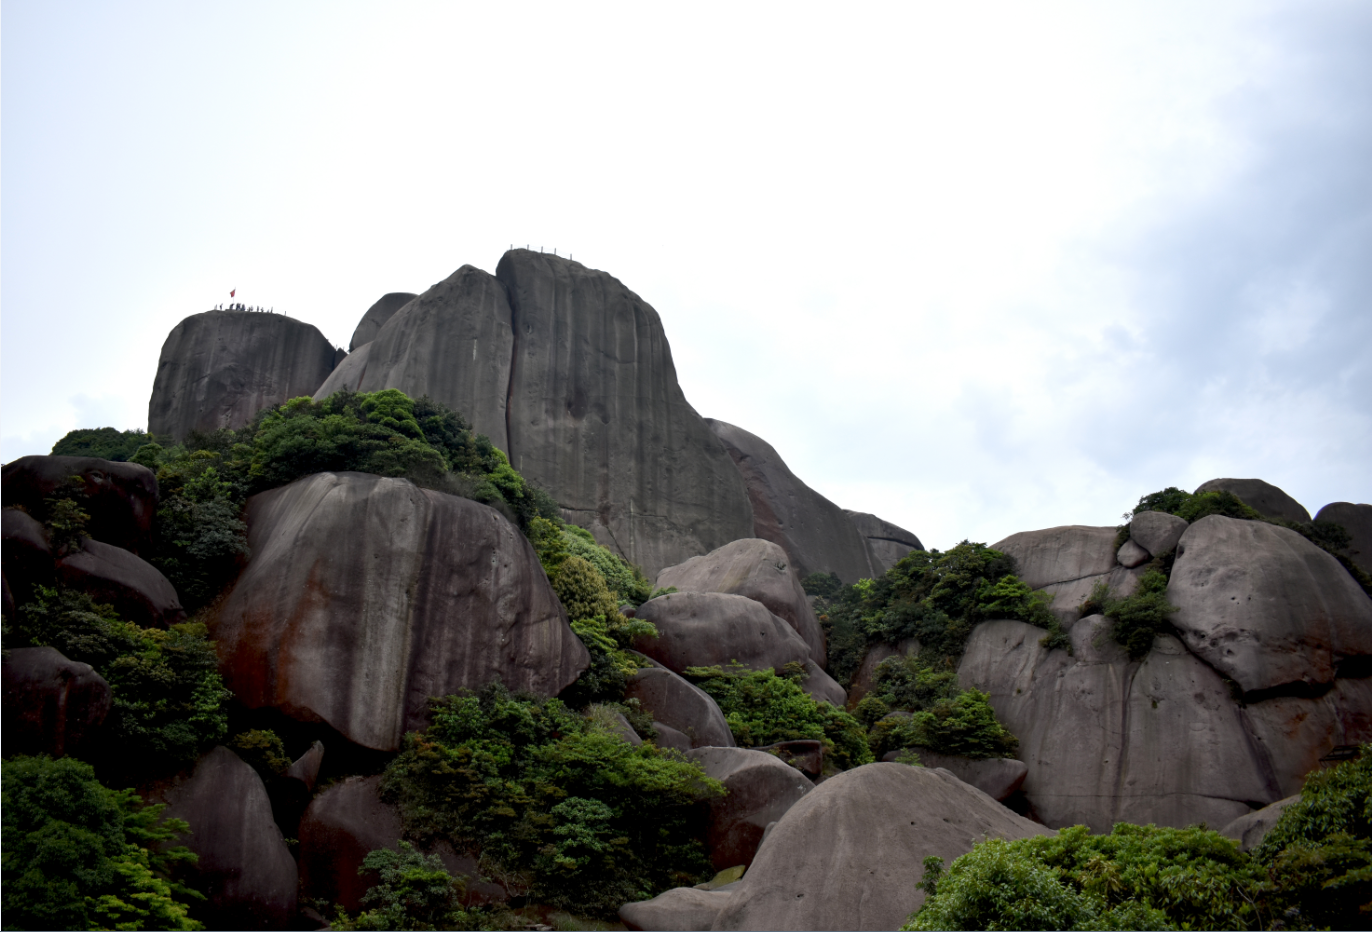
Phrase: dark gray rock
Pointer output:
(620, 726)
(24, 552)
(136, 589)
(306, 767)
(702, 629)
(365, 596)
(848, 854)
(1249, 830)
(245, 868)
(1294, 732)
(680, 706)
(822, 687)
(52, 704)
(760, 790)
(817, 535)
(1357, 521)
(1156, 531)
(759, 570)
(1264, 606)
(219, 368)
(669, 737)
(886, 542)
(347, 375)
(1262, 497)
(998, 777)
(680, 908)
(121, 498)
(377, 315)
(803, 754)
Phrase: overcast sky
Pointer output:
(978, 268)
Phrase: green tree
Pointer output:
(103, 442)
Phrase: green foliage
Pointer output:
(625, 580)
(826, 585)
(587, 820)
(169, 701)
(413, 891)
(103, 442)
(1140, 616)
(263, 751)
(764, 708)
(200, 539)
(914, 683)
(1170, 500)
(965, 725)
(77, 855)
(66, 524)
(582, 590)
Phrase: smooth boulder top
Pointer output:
(137, 589)
(1061, 554)
(1249, 830)
(365, 596)
(1357, 521)
(848, 855)
(219, 368)
(377, 315)
(1156, 531)
(1261, 496)
(761, 788)
(52, 704)
(121, 498)
(681, 706)
(886, 542)
(680, 908)
(817, 535)
(1264, 606)
(756, 569)
(702, 629)
(998, 777)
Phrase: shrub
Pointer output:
(263, 751)
(1140, 616)
(77, 855)
(103, 442)
(582, 590)
(413, 891)
(200, 539)
(825, 585)
(965, 725)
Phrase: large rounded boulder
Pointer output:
(887, 543)
(1068, 562)
(761, 788)
(1357, 521)
(52, 704)
(686, 709)
(366, 596)
(848, 855)
(137, 589)
(121, 498)
(701, 629)
(1263, 497)
(377, 315)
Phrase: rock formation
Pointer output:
(136, 589)
(998, 777)
(886, 542)
(1249, 830)
(681, 706)
(121, 498)
(219, 368)
(760, 790)
(702, 629)
(683, 908)
(365, 596)
(1067, 563)
(24, 553)
(377, 315)
(1357, 521)
(52, 704)
(1262, 497)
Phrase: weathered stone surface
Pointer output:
(804, 754)
(1061, 554)
(365, 596)
(1264, 606)
(121, 498)
(822, 687)
(1106, 740)
(680, 706)
(52, 704)
(245, 867)
(219, 368)
(597, 418)
(377, 315)
(669, 737)
(24, 552)
(756, 569)
(886, 542)
(1068, 596)
(347, 375)
(1249, 830)
(1357, 521)
(998, 778)
(701, 629)
(306, 767)
(1262, 497)
(1131, 555)
(1156, 531)
(847, 856)
(341, 825)
(137, 589)
(1295, 731)
(761, 788)
(682, 908)
(817, 535)
(621, 727)
(865, 679)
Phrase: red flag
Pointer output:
(232, 293)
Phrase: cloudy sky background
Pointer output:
(978, 268)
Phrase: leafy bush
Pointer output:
(413, 891)
(961, 723)
(200, 539)
(826, 585)
(103, 442)
(587, 821)
(77, 855)
(169, 701)
(1140, 616)
(264, 751)
(763, 708)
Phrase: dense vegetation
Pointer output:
(1313, 870)
(560, 806)
(413, 891)
(106, 443)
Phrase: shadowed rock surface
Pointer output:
(1262, 497)
(681, 706)
(817, 535)
(340, 826)
(847, 856)
(121, 498)
(245, 867)
(24, 553)
(761, 788)
(219, 368)
(998, 778)
(1264, 606)
(886, 542)
(365, 596)
(136, 589)
(681, 908)
(347, 375)
(822, 687)
(377, 315)
(702, 629)
(756, 569)
(1296, 731)
(1357, 521)
(1067, 562)
(1249, 830)
(52, 704)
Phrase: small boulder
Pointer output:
(245, 867)
(306, 767)
(1249, 830)
(1357, 521)
(683, 908)
(52, 704)
(621, 727)
(701, 629)
(1156, 531)
(1262, 497)
(1131, 555)
(681, 706)
(121, 498)
(822, 687)
(761, 787)
(377, 315)
(136, 589)
(669, 737)
(756, 569)
(998, 778)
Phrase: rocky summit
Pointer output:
(482, 625)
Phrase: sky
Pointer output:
(977, 268)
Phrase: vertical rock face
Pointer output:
(219, 368)
(886, 542)
(597, 418)
(376, 317)
(1357, 521)
(1262, 497)
(816, 533)
(121, 498)
(365, 596)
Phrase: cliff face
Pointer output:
(219, 368)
